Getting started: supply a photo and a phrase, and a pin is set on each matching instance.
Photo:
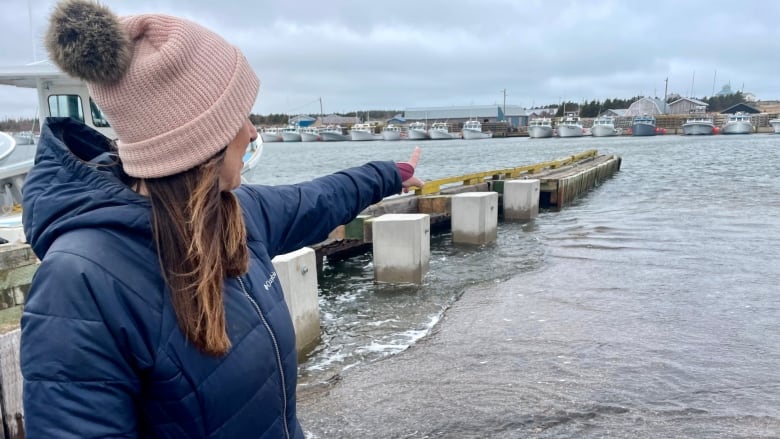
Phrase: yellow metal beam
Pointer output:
(434, 186)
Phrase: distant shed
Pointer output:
(741, 107)
(483, 113)
(613, 112)
(687, 106)
(642, 106)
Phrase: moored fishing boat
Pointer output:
(310, 134)
(391, 132)
(698, 126)
(440, 131)
(333, 133)
(643, 125)
(291, 134)
(737, 123)
(418, 131)
(570, 126)
(775, 124)
(362, 132)
(472, 130)
(271, 135)
(540, 128)
(604, 127)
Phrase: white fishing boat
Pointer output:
(271, 134)
(310, 134)
(58, 96)
(775, 124)
(362, 132)
(472, 130)
(604, 127)
(440, 131)
(391, 132)
(540, 127)
(291, 133)
(570, 126)
(418, 131)
(698, 126)
(24, 138)
(737, 123)
(333, 133)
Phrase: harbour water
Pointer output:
(648, 308)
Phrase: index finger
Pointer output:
(415, 157)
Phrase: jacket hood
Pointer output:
(76, 184)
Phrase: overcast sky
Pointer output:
(400, 54)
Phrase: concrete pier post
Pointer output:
(475, 217)
(297, 273)
(402, 247)
(521, 199)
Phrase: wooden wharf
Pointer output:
(561, 181)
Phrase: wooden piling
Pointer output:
(11, 387)
(567, 184)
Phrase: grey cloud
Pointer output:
(361, 55)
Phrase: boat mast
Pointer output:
(666, 87)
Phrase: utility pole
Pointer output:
(504, 90)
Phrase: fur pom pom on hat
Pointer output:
(175, 92)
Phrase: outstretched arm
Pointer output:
(292, 216)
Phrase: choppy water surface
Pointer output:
(648, 308)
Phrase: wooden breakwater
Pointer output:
(560, 182)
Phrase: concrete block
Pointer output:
(521, 199)
(402, 247)
(297, 273)
(475, 217)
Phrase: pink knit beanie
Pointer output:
(174, 92)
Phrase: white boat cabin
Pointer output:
(58, 94)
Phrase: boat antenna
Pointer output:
(32, 33)
(714, 78)
(666, 89)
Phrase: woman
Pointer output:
(156, 311)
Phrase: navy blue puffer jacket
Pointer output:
(102, 354)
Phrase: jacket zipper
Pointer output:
(276, 349)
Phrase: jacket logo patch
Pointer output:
(270, 281)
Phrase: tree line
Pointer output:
(587, 109)
(594, 108)
(16, 125)
(283, 119)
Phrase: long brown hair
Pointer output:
(200, 236)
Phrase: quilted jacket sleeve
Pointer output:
(293, 216)
(78, 376)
